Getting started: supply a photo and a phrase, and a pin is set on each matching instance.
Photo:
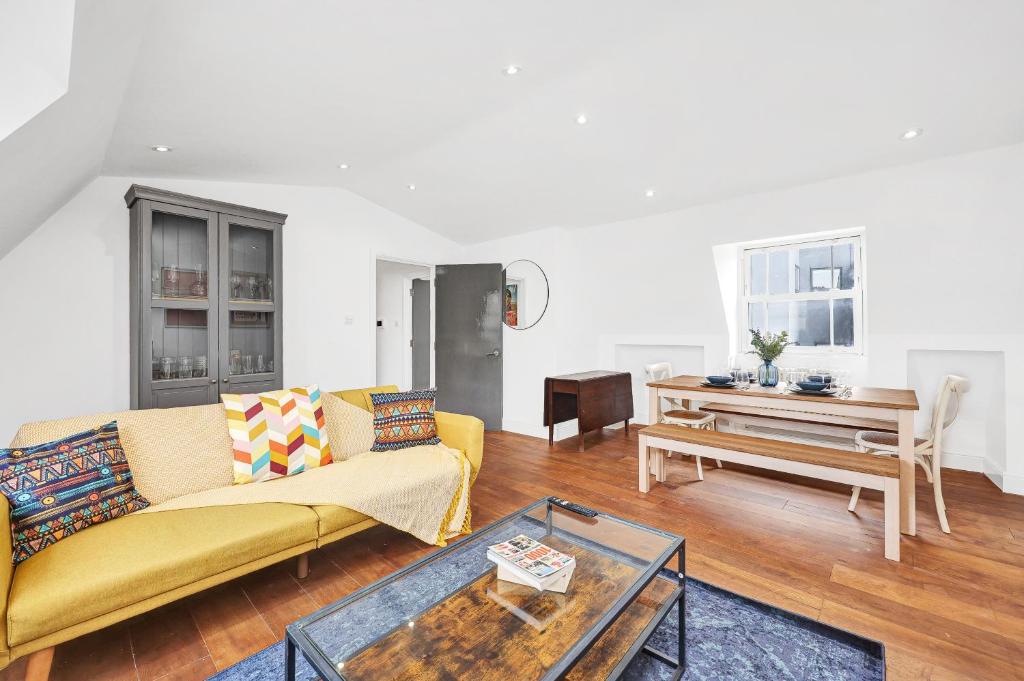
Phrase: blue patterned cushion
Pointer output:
(61, 487)
(403, 420)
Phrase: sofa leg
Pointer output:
(38, 668)
(302, 568)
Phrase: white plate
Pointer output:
(708, 384)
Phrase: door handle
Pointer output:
(213, 381)
(494, 353)
(224, 380)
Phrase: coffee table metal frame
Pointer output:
(296, 639)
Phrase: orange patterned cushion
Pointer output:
(403, 420)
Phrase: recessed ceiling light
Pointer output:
(343, 166)
(582, 119)
(512, 69)
(649, 193)
(161, 147)
(913, 133)
(411, 187)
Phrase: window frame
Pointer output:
(856, 293)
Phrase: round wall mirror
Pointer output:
(526, 294)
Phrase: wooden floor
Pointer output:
(953, 609)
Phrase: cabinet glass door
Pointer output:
(180, 257)
(251, 262)
(251, 330)
(181, 294)
(251, 343)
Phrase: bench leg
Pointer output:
(659, 465)
(700, 470)
(38, 668)
(645, 466)
(892, 518)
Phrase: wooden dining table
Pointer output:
(897, 406)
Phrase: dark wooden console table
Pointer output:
(596, 398)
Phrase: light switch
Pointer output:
(349, 320)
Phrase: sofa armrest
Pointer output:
(6, 572)
(459, 431)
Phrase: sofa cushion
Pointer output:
(172, 452)
(402, 420)
(277, 433)
(130, 559)
(349, 428)
(59, 488)
(334, 518)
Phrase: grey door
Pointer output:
(420, 334)
(467, 361)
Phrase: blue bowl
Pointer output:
(719, 380)
(813, 386)
(820, 378)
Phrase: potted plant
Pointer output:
(768, 346)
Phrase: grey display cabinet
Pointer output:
(205, 287)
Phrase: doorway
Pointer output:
(404, 324)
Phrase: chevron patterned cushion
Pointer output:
(403, 420)
(61, 487)
(277, 433)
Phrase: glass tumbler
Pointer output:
(166, 368)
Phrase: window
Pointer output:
(812, 289)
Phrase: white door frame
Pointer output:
(406, 306)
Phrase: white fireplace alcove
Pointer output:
(696, 354)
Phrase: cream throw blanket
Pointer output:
(421, 490)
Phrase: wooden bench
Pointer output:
(825, 463)
(733, 415)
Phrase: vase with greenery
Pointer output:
(768, 346)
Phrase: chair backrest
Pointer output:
(658, 371)
(947, 407)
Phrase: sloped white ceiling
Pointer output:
(698, 100)
(48, 159)
(35, 58)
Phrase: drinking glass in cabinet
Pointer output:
(166, 368)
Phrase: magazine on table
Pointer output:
(526, 561)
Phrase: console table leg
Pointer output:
(289, 659)
(682, 609)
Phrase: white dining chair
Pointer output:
(927, 449)
(679, 415)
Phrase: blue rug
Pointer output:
(727, 637)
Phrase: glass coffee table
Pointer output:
(447, 616)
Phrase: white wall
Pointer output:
(943, 246)
(394, 355)
(64, 348)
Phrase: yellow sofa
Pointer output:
(124, 567)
